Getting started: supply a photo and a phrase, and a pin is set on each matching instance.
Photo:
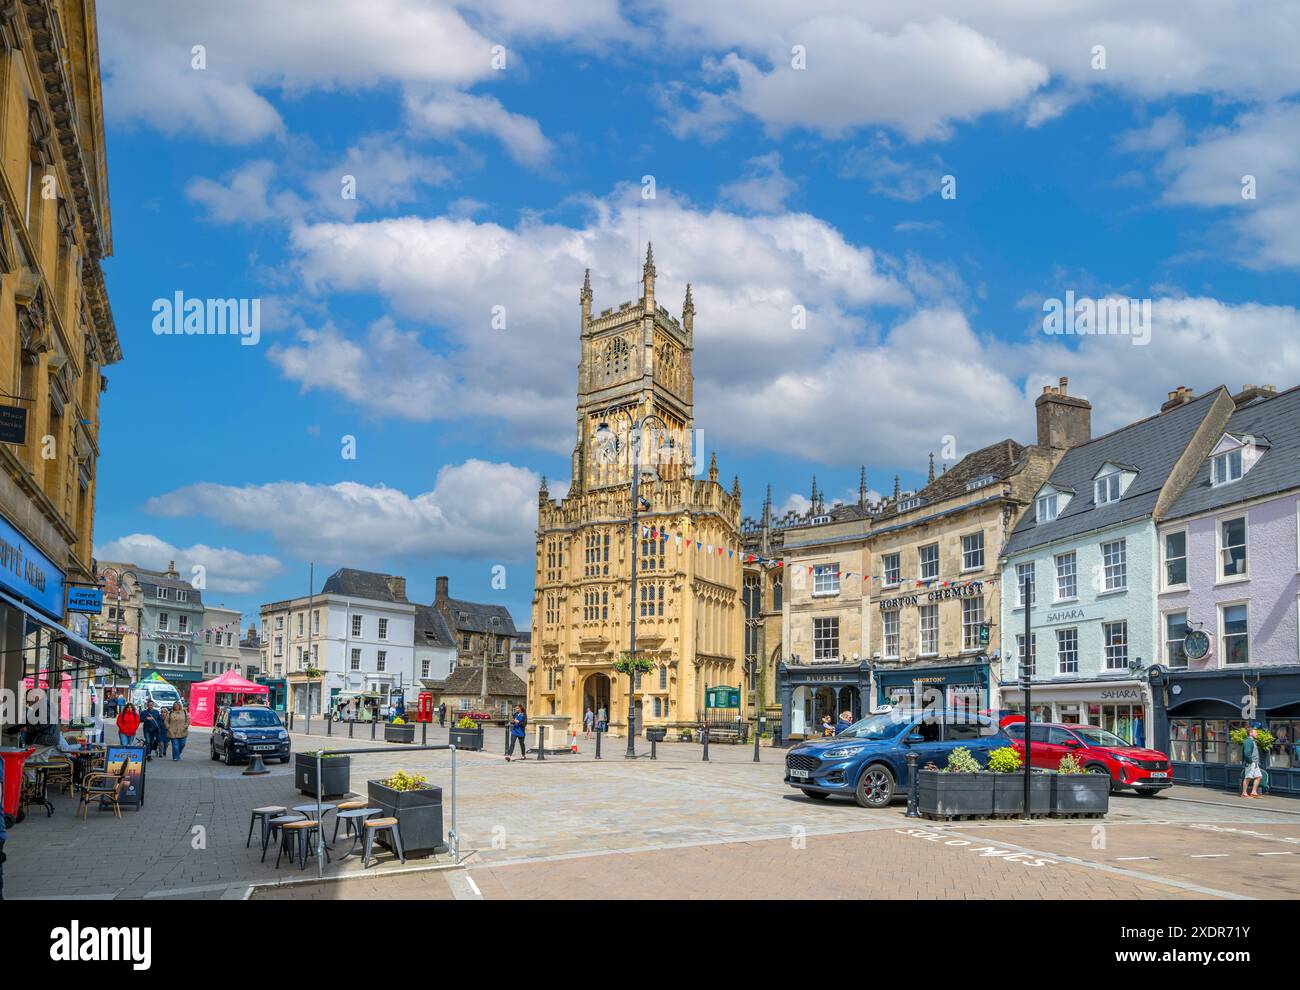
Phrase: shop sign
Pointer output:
(1066, 615)
(86, 600)
(113, 647)
(972, 590)
(13, 424)
(27, 573)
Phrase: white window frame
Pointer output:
(182, 595)
(1219, 560)
(970, 630)
(896, 615)
(967, 552)
(1033, 653)
(1107, 488)
(1060, 659)
(1021, 570)
(1073, 576)
(164, 622)
(928, 633)
(826, 579)
(821, 639)
(354, 662)
(893, 576)
(1165, 558)
(1221, 467)
(1045, 508)
(1110, 659)
(1165, 641)
(356, 625)
(383, 629)
(1221, 608)
(922, 563)
(381, 661)
(1121, 568)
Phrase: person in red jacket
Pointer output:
(127, 724)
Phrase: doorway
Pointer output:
(596, 695)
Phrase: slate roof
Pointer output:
(361, 584)
(1274, 420)
(477, 617)
(1152, 445)
(150, 581)
(469, 681)
(1000, 459)
(431, 629)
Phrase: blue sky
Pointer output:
(775, 187)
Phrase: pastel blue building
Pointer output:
(1088, 549)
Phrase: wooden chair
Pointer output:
(59, 776)
(104, 786)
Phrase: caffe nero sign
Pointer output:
(27, 573)
(972, 590)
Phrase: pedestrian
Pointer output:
(602, 720)
(845, 720)
(442, 714)
(127, 724)
(155, 732)
(588, 721)
(178, 729)
(828, 729)
(1252, 772)
(518, 725)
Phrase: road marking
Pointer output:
(1286, 853)
(1124, 859)
(1209, 856)
(463, 887)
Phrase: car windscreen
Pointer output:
(886, 725)
(1094, 736)
(244, 718)
(164, 698)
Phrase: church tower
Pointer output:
(635, 364)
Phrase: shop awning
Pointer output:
(75, 646)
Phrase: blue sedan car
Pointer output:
(868, 760)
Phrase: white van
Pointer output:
(162, 695)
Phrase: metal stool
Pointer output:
(273, 829)
(375, 826)
(341, 814)
(266, 814)
(300, 831)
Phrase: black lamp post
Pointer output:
(1025, 684)
(638, 424)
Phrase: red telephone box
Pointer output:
(424, 707)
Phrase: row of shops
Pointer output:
(1189, 715)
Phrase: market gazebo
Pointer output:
(207, 695)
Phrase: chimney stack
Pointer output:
(1250, 392)
(1178, 397)
(440, 593)
(1064, 420)
(397, 585)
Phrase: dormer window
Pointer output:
(1226, 468)
(1045, 508)
(981, 481)
(1106, 488)
(910, 503)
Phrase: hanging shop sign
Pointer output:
(13, 424)
(86, 600)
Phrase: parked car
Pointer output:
(868, 760)
(1146, 771)
(242, 730)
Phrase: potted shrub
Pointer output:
(335, 772)
(399, 731)
(960, 790)
(466, 734)
(1007, 769)
(1075, 791)
(417, 806)
(683, 735)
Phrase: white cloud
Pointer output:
(477, 509)
(224, 570)
(763, 188)
(449, 112)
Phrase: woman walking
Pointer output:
(1252, 774)
(127, 723)
(588, 720)
(518, 725)
(178, 729)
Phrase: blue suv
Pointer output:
(868, 760)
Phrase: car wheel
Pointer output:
(228, 757)
(1099, 768)
(1143, 792)
(875, 787)
(212, 753)
(815, 795)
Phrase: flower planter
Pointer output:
(418, 814)
(466, 738)
(399, 733)
(1009, 793)
(656, 735)
(1080, 794)
(335, 774)
(954, 795)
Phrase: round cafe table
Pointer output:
(39, 769)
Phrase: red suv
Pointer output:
(1096, 750)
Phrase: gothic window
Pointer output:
(618, 359)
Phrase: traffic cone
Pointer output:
(573, 744)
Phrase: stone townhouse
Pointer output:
(1088, 554)
(762, 596)
(1229, 599)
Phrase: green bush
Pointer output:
(1005, 760)
(403, 781)
(961, 761)
(327, 756)
(467, 723)
(1070, 765)
(1262, 736)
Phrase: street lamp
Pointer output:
(638, 426)
(119, 626)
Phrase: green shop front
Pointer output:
(959, 684)
(1196, 712)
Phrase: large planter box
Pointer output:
(1009, 793)
(656, 735)
(399, 733)
(954, 795)
(466, 738)
(418, 814)
(1080, 794)
(335, 774)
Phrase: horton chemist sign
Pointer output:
(27, 573)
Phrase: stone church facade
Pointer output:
(635, 367)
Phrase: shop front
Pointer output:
(1196, 712)
(960, 685)
(277, 691)
(1118, 706)
(809, 691)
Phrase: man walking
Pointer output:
(518, 725)
(1252, 774)
(602, 720)
(588, 721)
(155, 732)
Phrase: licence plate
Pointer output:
(1160, 774)
(801, 774)
(262, 749)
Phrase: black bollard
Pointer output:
(704, 737)
(541, 742)
(373, 723)
(424, 733)
(758, 731)
(308, 729)
(506, 741)
(654, 741)
(911, 787)
(598, 743)
(351, 723)
(291, 721)
(329, 726)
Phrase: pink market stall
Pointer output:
(227, 689)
